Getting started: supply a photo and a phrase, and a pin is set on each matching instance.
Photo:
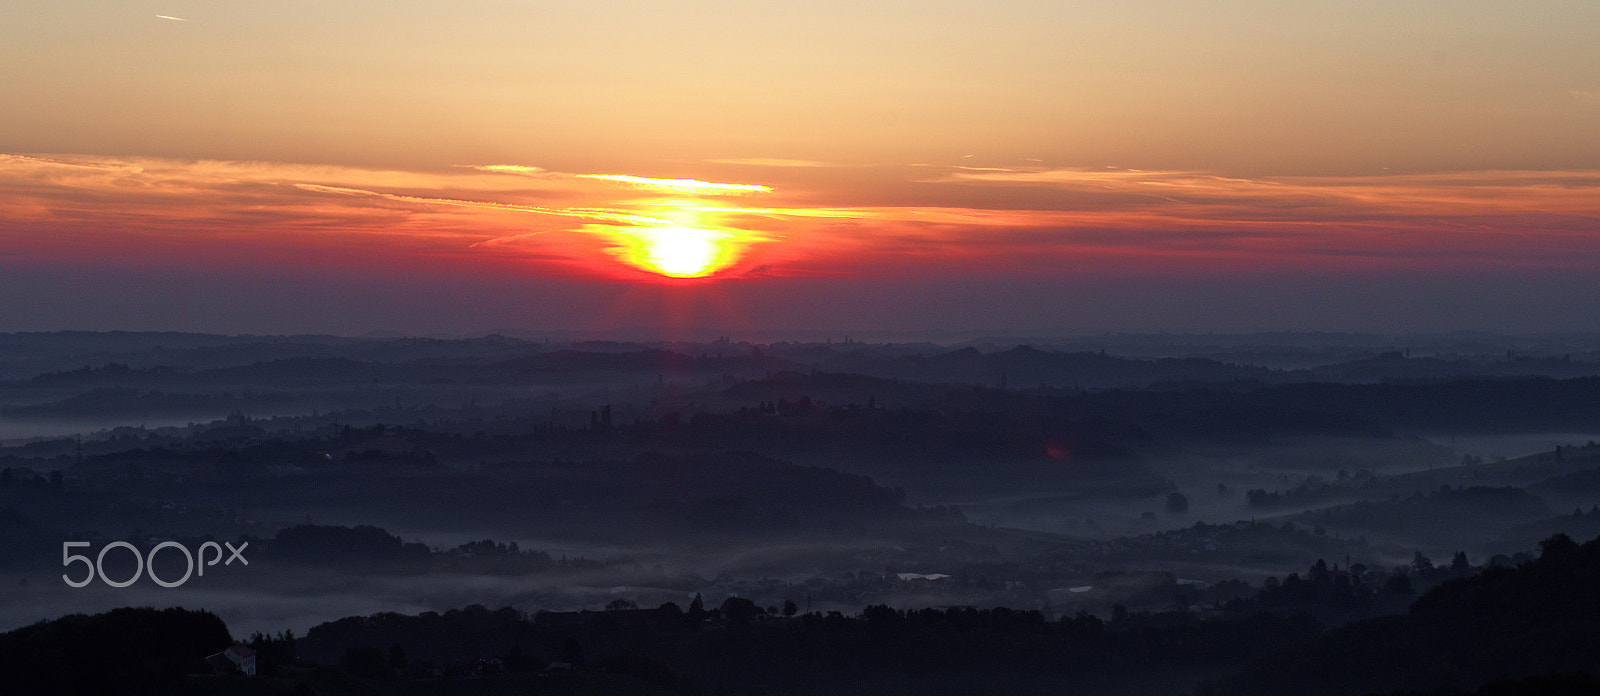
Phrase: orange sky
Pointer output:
(1139, 164)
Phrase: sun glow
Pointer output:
(678, 238)
(677, 252)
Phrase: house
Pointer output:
(239, 658)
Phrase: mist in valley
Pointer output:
(416, 477)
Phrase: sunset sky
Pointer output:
(867, 166)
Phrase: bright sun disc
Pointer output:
(679, 252)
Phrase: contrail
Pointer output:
(175, 19)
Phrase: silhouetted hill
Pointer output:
(741, 648)
(1533, 404)
(1578, 523)
(1025, 367)
(1539, 618)
(123, 651)
(574, 365)
(1395, 365)
(1435, 515)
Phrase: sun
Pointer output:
(679, 238)
(681, 252)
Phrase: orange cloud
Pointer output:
(687, 186)
(998, 220)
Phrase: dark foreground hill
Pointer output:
(1540, 618)
(1531, 629)
(123, 651)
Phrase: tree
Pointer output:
(1556, 546)
(272, 653)
(738, 611)
(1398, 586)
(790, 608)
(1177, 503)
(1319, 571)
(1421, 564)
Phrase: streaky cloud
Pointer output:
(522, 169)
(679, 185)
(770, 162)
(675, 185)
(104, 166)
(589, 214)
